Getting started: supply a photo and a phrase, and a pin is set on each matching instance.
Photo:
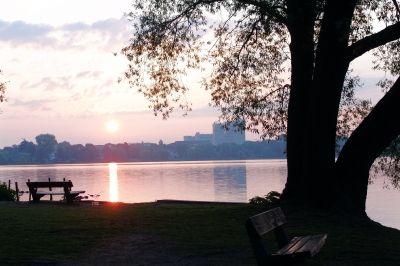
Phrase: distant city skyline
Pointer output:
(217, 137)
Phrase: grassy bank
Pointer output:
(57, 232)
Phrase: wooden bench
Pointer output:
(66, 192)
(290, 252)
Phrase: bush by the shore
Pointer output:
(7, 194)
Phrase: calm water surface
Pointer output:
(225, 181)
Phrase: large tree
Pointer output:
(46, 144)
(253, 42)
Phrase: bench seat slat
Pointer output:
(313, 245)
(289, 246)
(50, 192)
(302, 240)
(305, 246)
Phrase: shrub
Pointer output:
(272, 196)
(7, 194)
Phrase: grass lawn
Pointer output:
(59, 232)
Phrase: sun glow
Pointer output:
(113, 182)
(112, 126)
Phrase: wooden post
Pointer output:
(65, 195)
(51, 196)
(9, 183)
(16, 189)
(29, 191)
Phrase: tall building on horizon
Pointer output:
(220, 135)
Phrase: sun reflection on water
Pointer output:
(113, 182)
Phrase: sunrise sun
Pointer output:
(112, 126)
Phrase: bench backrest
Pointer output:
(49, 184)
(266, 221)
(262, 223)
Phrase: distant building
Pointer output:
(205, 138)
(220, 135)
(188, 138)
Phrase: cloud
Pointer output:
(33, 104)
(95, 84)
(19, 32)
(108, 25)
(50, 83)
(89, 74)
(110, 82)
(96, 74)
(83, 74)
(114, 26)
(78, 35)
(79, 26)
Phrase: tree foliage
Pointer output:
(2, 90)
(46, 144)
(249, 52)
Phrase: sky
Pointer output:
(58, 59)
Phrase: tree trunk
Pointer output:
(331, 66)
(301, 16)
(365, 144)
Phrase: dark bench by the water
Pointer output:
(290, 252)
(66, 185)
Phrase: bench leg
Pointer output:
(70, 198)
(36, 198)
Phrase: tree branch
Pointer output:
(191, 7)
(368, 43)
(249, 35)
(271, 10)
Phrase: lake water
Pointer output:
(224, 181)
